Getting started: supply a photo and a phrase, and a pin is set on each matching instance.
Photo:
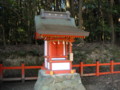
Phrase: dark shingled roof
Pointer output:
(54, 23)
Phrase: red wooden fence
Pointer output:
(81, 66)
(97, 65)
(22, 67)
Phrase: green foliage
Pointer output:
(17, 18)
(34, 53)
(21, 53)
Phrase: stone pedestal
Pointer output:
(58, 82)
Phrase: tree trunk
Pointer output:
(112, 28)
(2, 26)
(67, 4)
(55, 2)
(80, 17)
(72, 8)
(101, 19)
(3, 34)
(111, 22)
(29, 10)
(80, 14)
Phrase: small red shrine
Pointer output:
(58, 30)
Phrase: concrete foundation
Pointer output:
(58, 82)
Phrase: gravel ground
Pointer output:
(28, 85)
(104, 82)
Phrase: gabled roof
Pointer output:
(57, 24)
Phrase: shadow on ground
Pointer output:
(28, 85)
(104, 82)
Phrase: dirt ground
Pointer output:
(28, 85)
(104, 82)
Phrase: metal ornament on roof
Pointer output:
(48, 14)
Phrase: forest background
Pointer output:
(99, 17)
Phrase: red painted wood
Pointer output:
(88, 65)
(32, 67)
(1, 72)
(81, 68)
(60, 39)
(48, 51)
(56, 56)
(60, 71)
(66, 50)
(116, 72)
(112, 66)
(103, 73)
(70, 47)
(118, 63)
(97, 68)
(23, 71)
(77, 65)
(89, 74)
(15, 67)
(104, 64)
(56, 48)
(26, 67)
(81, 65)
(41, 36)
(37, 36)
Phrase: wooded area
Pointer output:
(99, 17)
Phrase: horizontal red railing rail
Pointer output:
(33, 67)
(81, 66)
(97, 66)
(22, 68)
(11, 68)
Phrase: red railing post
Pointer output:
(1, 71)
(23, 71)
(111, 66)
(81, 68)
(97, 68)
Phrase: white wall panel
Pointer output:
(60, 66)
(45, 48)
(45, 62)
(48, 65)
(64, 48)
(58, 58)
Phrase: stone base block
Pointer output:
(58, 82)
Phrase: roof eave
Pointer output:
(42, 36)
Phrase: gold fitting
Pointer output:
(72, 71)
(50, 61)
(51, 72)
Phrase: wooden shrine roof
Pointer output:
(57, 24)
